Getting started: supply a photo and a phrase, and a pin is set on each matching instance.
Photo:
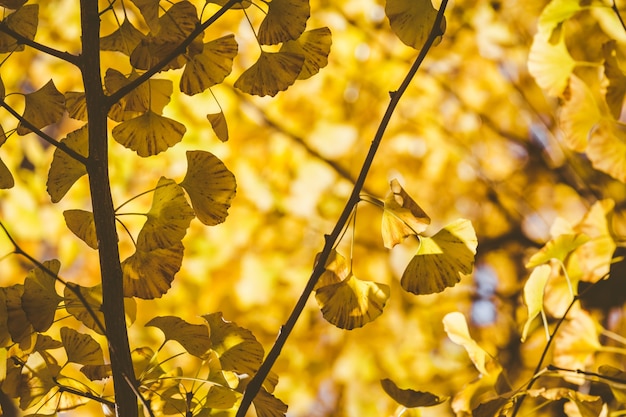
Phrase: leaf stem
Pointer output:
(255, 383)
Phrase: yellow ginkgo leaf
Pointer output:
(220, 398)
(595, 256)
(410, 398)
(209, 67)
(168, 218)
(337, 269)
(23, 21)
(6, 179)
(81, 348)
(149, 10)
(210, 185)
(352, 303)
(193, 337)
(81, 223)
(575, 343)
(314, 45)
(558, 248)
(402, 216)
(149, 274)
(12, 4)
(455, 326)
(20, 328)
(149, 134)
(441, 259)
(42, 107)
(152, 95)
(616, 90)
(273, 72)
(285, 20)
(123, 40)
(178, 22)
(40, 299)
(411, 21)
(579, 114)
(607, 149)
(555, 13)
(76, 105)
(533, 295)
(550, 64)
(65, 170)
(266, 405)
(219, 125)
(242, 4)
(76, 307)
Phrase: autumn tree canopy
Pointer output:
(312, 208)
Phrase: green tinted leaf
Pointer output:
(273, 72)
(40, 299)
(65, 170)
(193, 337)
(285, 20)
(411, 21)
(149, 134)
(219, 125)
(314, 45)
(42, 107)
(124, 39)
(558, 248)
(410, 398)
(533, 295)
(81, 348)
(209, 67)
(81, 223)
(149, 274)
(23, 21)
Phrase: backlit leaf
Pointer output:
(285, 20)
(209, 67)
(558, 248)
(81, 348)
(40, 299)
(616, 89)
(555, 13)
(20, 328)
(65, 170)
(76, 105)
(410, 398)
(23, 21)
(550, 64)
(352, 303)
(96, 372)
(596, 255)
(149, 274)
(314, 45)
(149, 134)
(153, 95)
(266, 405)
(607, 149)
(179, 21)
(6, 178)
(124, 39)
(12, 4)
(617, 388)
(411, 21)
(193, 337)
(441, 259)
(42, 107)
(533, 294)
(337, 269)
(579, 114)
(243, 4)
(5, 336)
(273, 72)
(219, 125)
(149, 9)
(210, 185)
(220, 398)
(402, 216)
(455, 326)
(81, 223)
(575, 343)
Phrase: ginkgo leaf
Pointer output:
(209, 67)
(149, 10)
(575, 343)
(124, 39)
(168, 218)
(441, 259)
(76, 105)
(616, 90)
(178, 21)
(219, 125)
(12, 4)
(550, 64)
(96, 372)
(2, 91)
(336, 269)
(149, 134)
(210, 186)
(410, 398)
(266, 405)
(285, 20)
(81, 223)
(557, 248)
(81, 348)
(152, 95)
(23, 21)
(533, 295)
(314, 45)
(456, 328)
(578, 114)
(607, 149)
(42, 107)
(5, 336)
(193, 337)
(614, 374)
(149, 274)
(411, 21)
(273, 72)
(237, 348)
(555, 13)
(220, 398)
(20, 328)
(352, 302)
(40, 299)
(243, 4)
(65, 170)
(6, 178)
(402, 216)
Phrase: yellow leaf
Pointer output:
(336, 270)
(243, 4)
(178, 22)
(314, 45)
(149, 10)
(220, 398)
(412, 21)
(20, 328)
(12, 4)
(42, 107)
(273, 72)
(441, 259)
(550, 64)
(533, 294)
(266, 405)
(81, 223)
(402, 216)
(558, 248)
(81, 348)
(219, 125)
(578, 115)
(123, 40)
(285, 20)
(149, 274)
(456, 327)
(616, 90)
(555, 13)
(575, 343)
(76, 105)
(410, 398)
(352, 303)
(607, 149)
(193, 337)
(23, 21)
(40, 299)
(210, 185)
(209, 67)
(65, 170)
(149, 134)
(152, 95)
(6, 179)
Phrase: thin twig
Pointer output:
(65, 56)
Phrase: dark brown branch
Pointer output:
(65, 56)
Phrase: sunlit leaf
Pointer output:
(607, 149)
(65, 170)
(42, 107)
(20, 328)
(285, 20)
(595, 256)
(96, 372)
(81, 348)
(557, 248)
(575, 343)
(550, 64)
(237, 348)
(40, 382)
(6, 178)
(455, 326)
(579, 114)
(124, 39)
(411, 21)
(179, 21)
(149, 134)
(149, 9)
(273, 72)
(555, 13)
(210, 185)
(76, 105)
(193, 337)
(220, 398)
(144, 366)
(209, 67)
(219, 125)
(410, 398)
(588, 405)
(616, 90)
(533, 294)
(314, 45)
(441, 259)
(23, 21)
(45, 342)
(81, 223)
(337, 269)
(402, 216)
(40, 299)
(266, 405)
(149, 274)
(153, 95)
(352, 303)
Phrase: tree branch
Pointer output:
(65, 56)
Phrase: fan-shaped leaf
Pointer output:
(149, 134)
(42, 107)
(441, 259)
(550, 64)
(20, 328)
(575, 343)
(210, 185)
(40, 299)
(219, 125)
(616, 90)
(65, 170)
(455, 326)
(243, 4)
(209, 67)
(23, 21)
(410, 398)
(402, 216)
(76, 105)
(412, 21)
(75, 306)
(152, 95)
(12, 4)
(314, 45)
(266, 405)
(285, 20)
(352, 303)
(6, 179)
(178, 22)
(149, 9)
(617, 388)
(149, 274)
(81, 348)
(558, 248)
(96, 372)
(555, 13)
(533, 295)
(193, 337)
(273, 72)
(220, 398)
(124, 39)
(81, 223)
(336, 270)
(578, 114)
(607, 149)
